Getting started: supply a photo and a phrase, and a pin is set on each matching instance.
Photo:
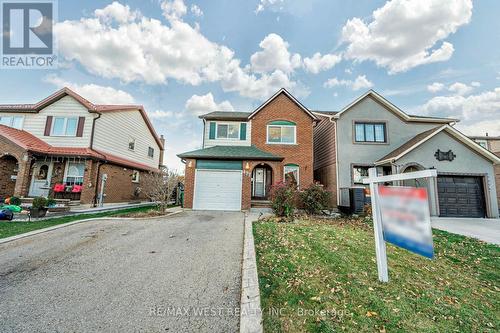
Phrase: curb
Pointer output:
(250, 311)
(63, 225)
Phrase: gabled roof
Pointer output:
(231, 153)
(407, 117)
(98, 108)
(31, 143)
(226, 115)
(421, 138)
(279, 92)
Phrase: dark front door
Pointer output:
(461, 196)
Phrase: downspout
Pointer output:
(204, 129)
(96, 182)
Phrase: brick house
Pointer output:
(373, 132)
(63, 145)
(244, 153)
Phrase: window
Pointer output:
(482, 143)
(282, 132)
(228, 131)
(370, 132)
(291, 172)
(358, 174)
(12, 121)
(135, 176)
(131, 143)
(63, 126)
(74, 173)
(151, 152)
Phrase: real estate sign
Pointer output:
(405, 216)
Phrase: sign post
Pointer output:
(401, 216)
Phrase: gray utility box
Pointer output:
(353, 200)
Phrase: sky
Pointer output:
(181, 58)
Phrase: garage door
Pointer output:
(461, 196)
(217, 190)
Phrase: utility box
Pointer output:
(353, 200)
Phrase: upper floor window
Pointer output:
(12, 121)
(482, 143)
(228, 131)
(283, 132)
(370, 132)
(131, 143)
(64, 126)
(151, 152)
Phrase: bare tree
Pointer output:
(159, 186)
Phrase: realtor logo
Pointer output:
(27, 38)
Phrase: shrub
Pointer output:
(283, 197)
(15, 201)
(39, 202)
(315, 199)
(51, 202)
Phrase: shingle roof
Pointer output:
(227, 115)
(35, 145)
(410, 143)
(231, 153)
(328, 113)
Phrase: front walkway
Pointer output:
(487, 230)
(175, 274)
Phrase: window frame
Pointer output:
(362, 166)
(11, 122)
(481, 142)
(65, 126)
(130, 140)
(138, 174)
(374, 124)
(152, 151)
(238, 125)
(291, 165)
(66, 171)
(281, 136)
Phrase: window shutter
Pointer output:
(243, 131)
(81, 123)
(211, 135)
(48, 126)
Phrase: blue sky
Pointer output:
(183, 58)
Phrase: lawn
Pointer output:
(8, 229)
(312, 265)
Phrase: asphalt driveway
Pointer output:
(487, 230)
(176, 274)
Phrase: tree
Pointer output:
(159, 186)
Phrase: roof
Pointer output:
(231, 153)
(227, 115)
(407, 117)
(98, 108)
(325, 113)
(485, 137)
(36, 145)
(420, 138)
(233, 115)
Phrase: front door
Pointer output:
(40, 180)
(260, 183)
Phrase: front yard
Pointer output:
(312, 265)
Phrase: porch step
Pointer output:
(74, 203)
(260, 204)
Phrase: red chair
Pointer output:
(58, 188)
(77, 189)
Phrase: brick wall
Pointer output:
(119, 186)
(246, 196)
(21, 186)
(327, 176)
(283, 108)
(8, 168)
(189, 183)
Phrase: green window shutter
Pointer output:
(243, 131)
(211, 136)
(282, 122)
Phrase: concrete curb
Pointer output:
(250, 311)
(63, 225)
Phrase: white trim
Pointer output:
(282, 143)
(65, 126)
(283, 90)
(217, 123)
(455, 133)
(374, 179)
(393, 108)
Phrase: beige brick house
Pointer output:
(244, 153)
(63, 145)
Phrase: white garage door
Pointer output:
(217, 190)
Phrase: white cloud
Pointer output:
(263, 4)
(173, 9)
(199, 105)
(405, 33)
(361, 82)
(460, 88)
(196, 10)
(274, 56)
(435, 87)
(475, 84)
(480, 128)
(137, 48)
(95, 93)
(318, 62)
(471, 109)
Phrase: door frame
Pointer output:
(264, 174)
(49, 176)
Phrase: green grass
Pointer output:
(8, 229)
(330, 266)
